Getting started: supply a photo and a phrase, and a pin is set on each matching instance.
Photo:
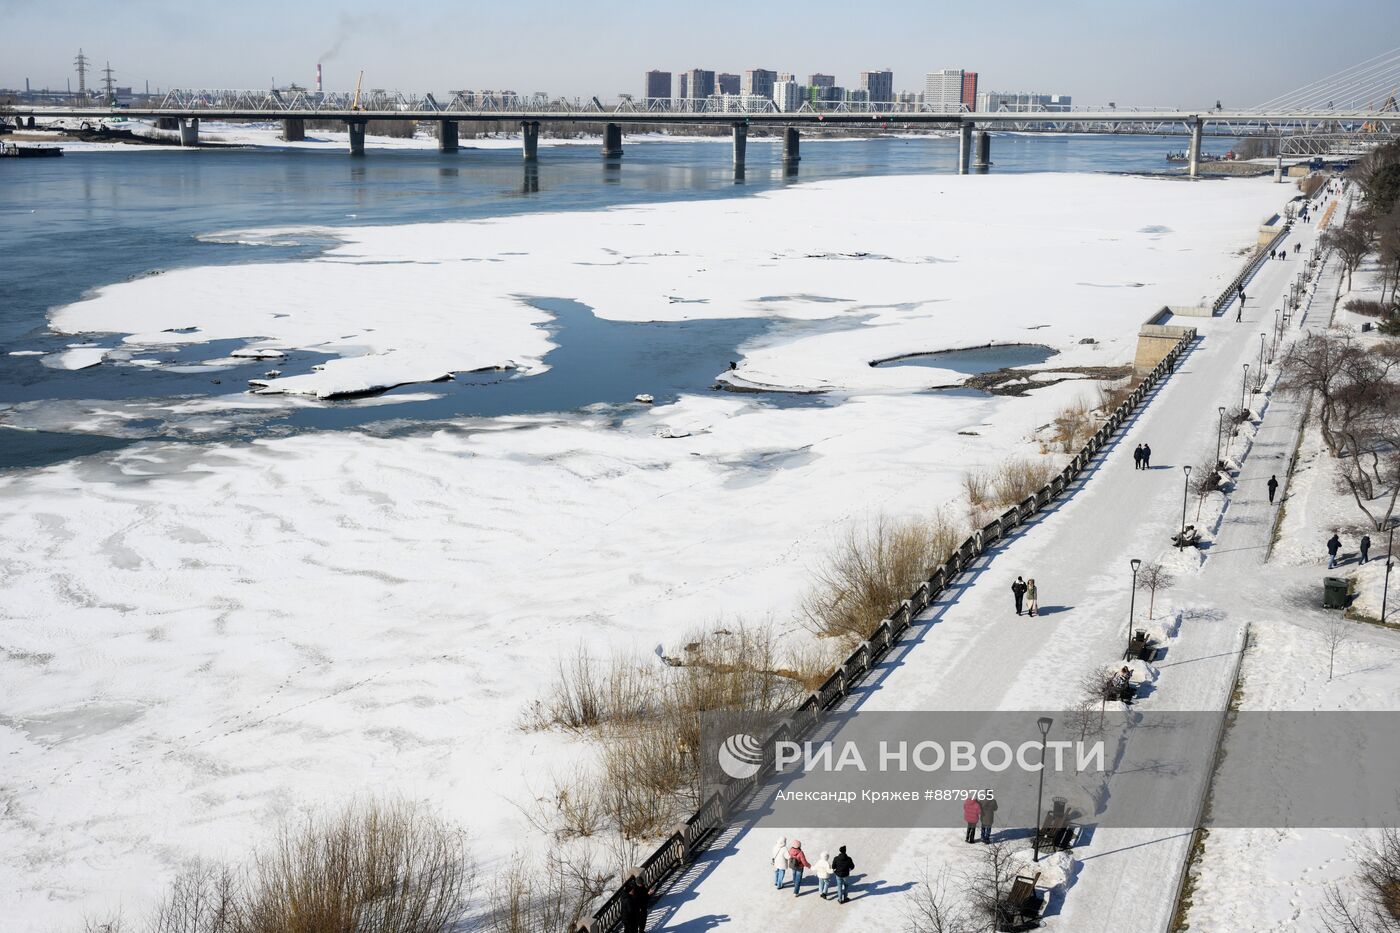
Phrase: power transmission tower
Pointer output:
(82, 62)
(109, 85)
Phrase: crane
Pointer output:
(355, 104)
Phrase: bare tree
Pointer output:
(1352, 242)
(1154, 577)
(930, 908)
(989, 882)
(1336, 631)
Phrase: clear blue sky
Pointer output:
(1185, 53)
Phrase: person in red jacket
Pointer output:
(972, 813)
(797, 863)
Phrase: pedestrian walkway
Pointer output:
(970, 651)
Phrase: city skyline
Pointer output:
(1093, 50)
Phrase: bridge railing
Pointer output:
(677, 849)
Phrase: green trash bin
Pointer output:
(1335, 591)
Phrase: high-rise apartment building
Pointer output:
(786, 76)
(728, 84)
(683, 85)
(821, 80)
(788, 95)
(943, 90)
(658, 85)
(969, 90)
(759, 82)
(702, 84)
(878, 85)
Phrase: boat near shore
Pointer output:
(13, 151)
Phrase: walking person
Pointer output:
(823, 872)
(841, 867)
(1273, 488)
(989, 815)
(636, 903)
(1334, 544)
(1146, 457)
(1137, 457)
(972, 813)
(1365, 548)
(1032, 598)
(1018, 593)
(779, 861)
(797, 864)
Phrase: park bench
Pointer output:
(1022, 907)
(1057, 832)
(1143, 647)
(1189, 536)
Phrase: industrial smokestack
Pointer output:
(318, 77)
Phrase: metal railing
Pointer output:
(1250, 267)
(675, 851)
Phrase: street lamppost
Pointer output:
(1044, 722)
(1132, 606)
(1244, 387)
(1261, 361)
(1219, 431)
(1186, 488)
(1389, 561)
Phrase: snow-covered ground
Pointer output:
(1276, 879)
(201, 638)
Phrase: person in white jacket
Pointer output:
(779, 861)
(822, 869)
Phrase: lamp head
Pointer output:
(1187, 470)
(1135, 564)
(1044, 722)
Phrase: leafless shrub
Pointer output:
(988, 883)
(1096, 689)
(1073, 426)
(930, 907)
(547, 898)
(1017, 480)
(1336, 631)
(1374, 907)
(1367, 306)
(590, 693)
(1113, 394)
(203, 899)
(873, 569)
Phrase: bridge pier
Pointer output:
(531, 184)
(530, 139)
(791, 141)
(447, 136)
(294, 131)
(984, 151)
(357, 136)
(964, 147)
(189, 131)
(1278, 164)
(29, 124)
(612, 141)
(741, 142)
(1194, 155)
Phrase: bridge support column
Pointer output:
(357, 136)
(1278, 165)
(1194, 155)
(741, 142)
(791, 141)
(293, 131)
(964, 147)
(983, 160)
(447, 136)
(530, 139)
(189, 131)
(165, 123)
(612, 141)
(30, 123)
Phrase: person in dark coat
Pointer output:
(1137, 458)
(1365, 548)
(989, 814)
(1018, 593)
(636, 901)
(841, 867)
(1146, 457)
(1273, 488)
(1334, 544)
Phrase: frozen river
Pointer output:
(99, 218)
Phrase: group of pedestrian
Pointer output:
(1026, 595)
(1142, 457)
(832, 874)
(1281, 253)
(1334, 547)
(979, 813)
